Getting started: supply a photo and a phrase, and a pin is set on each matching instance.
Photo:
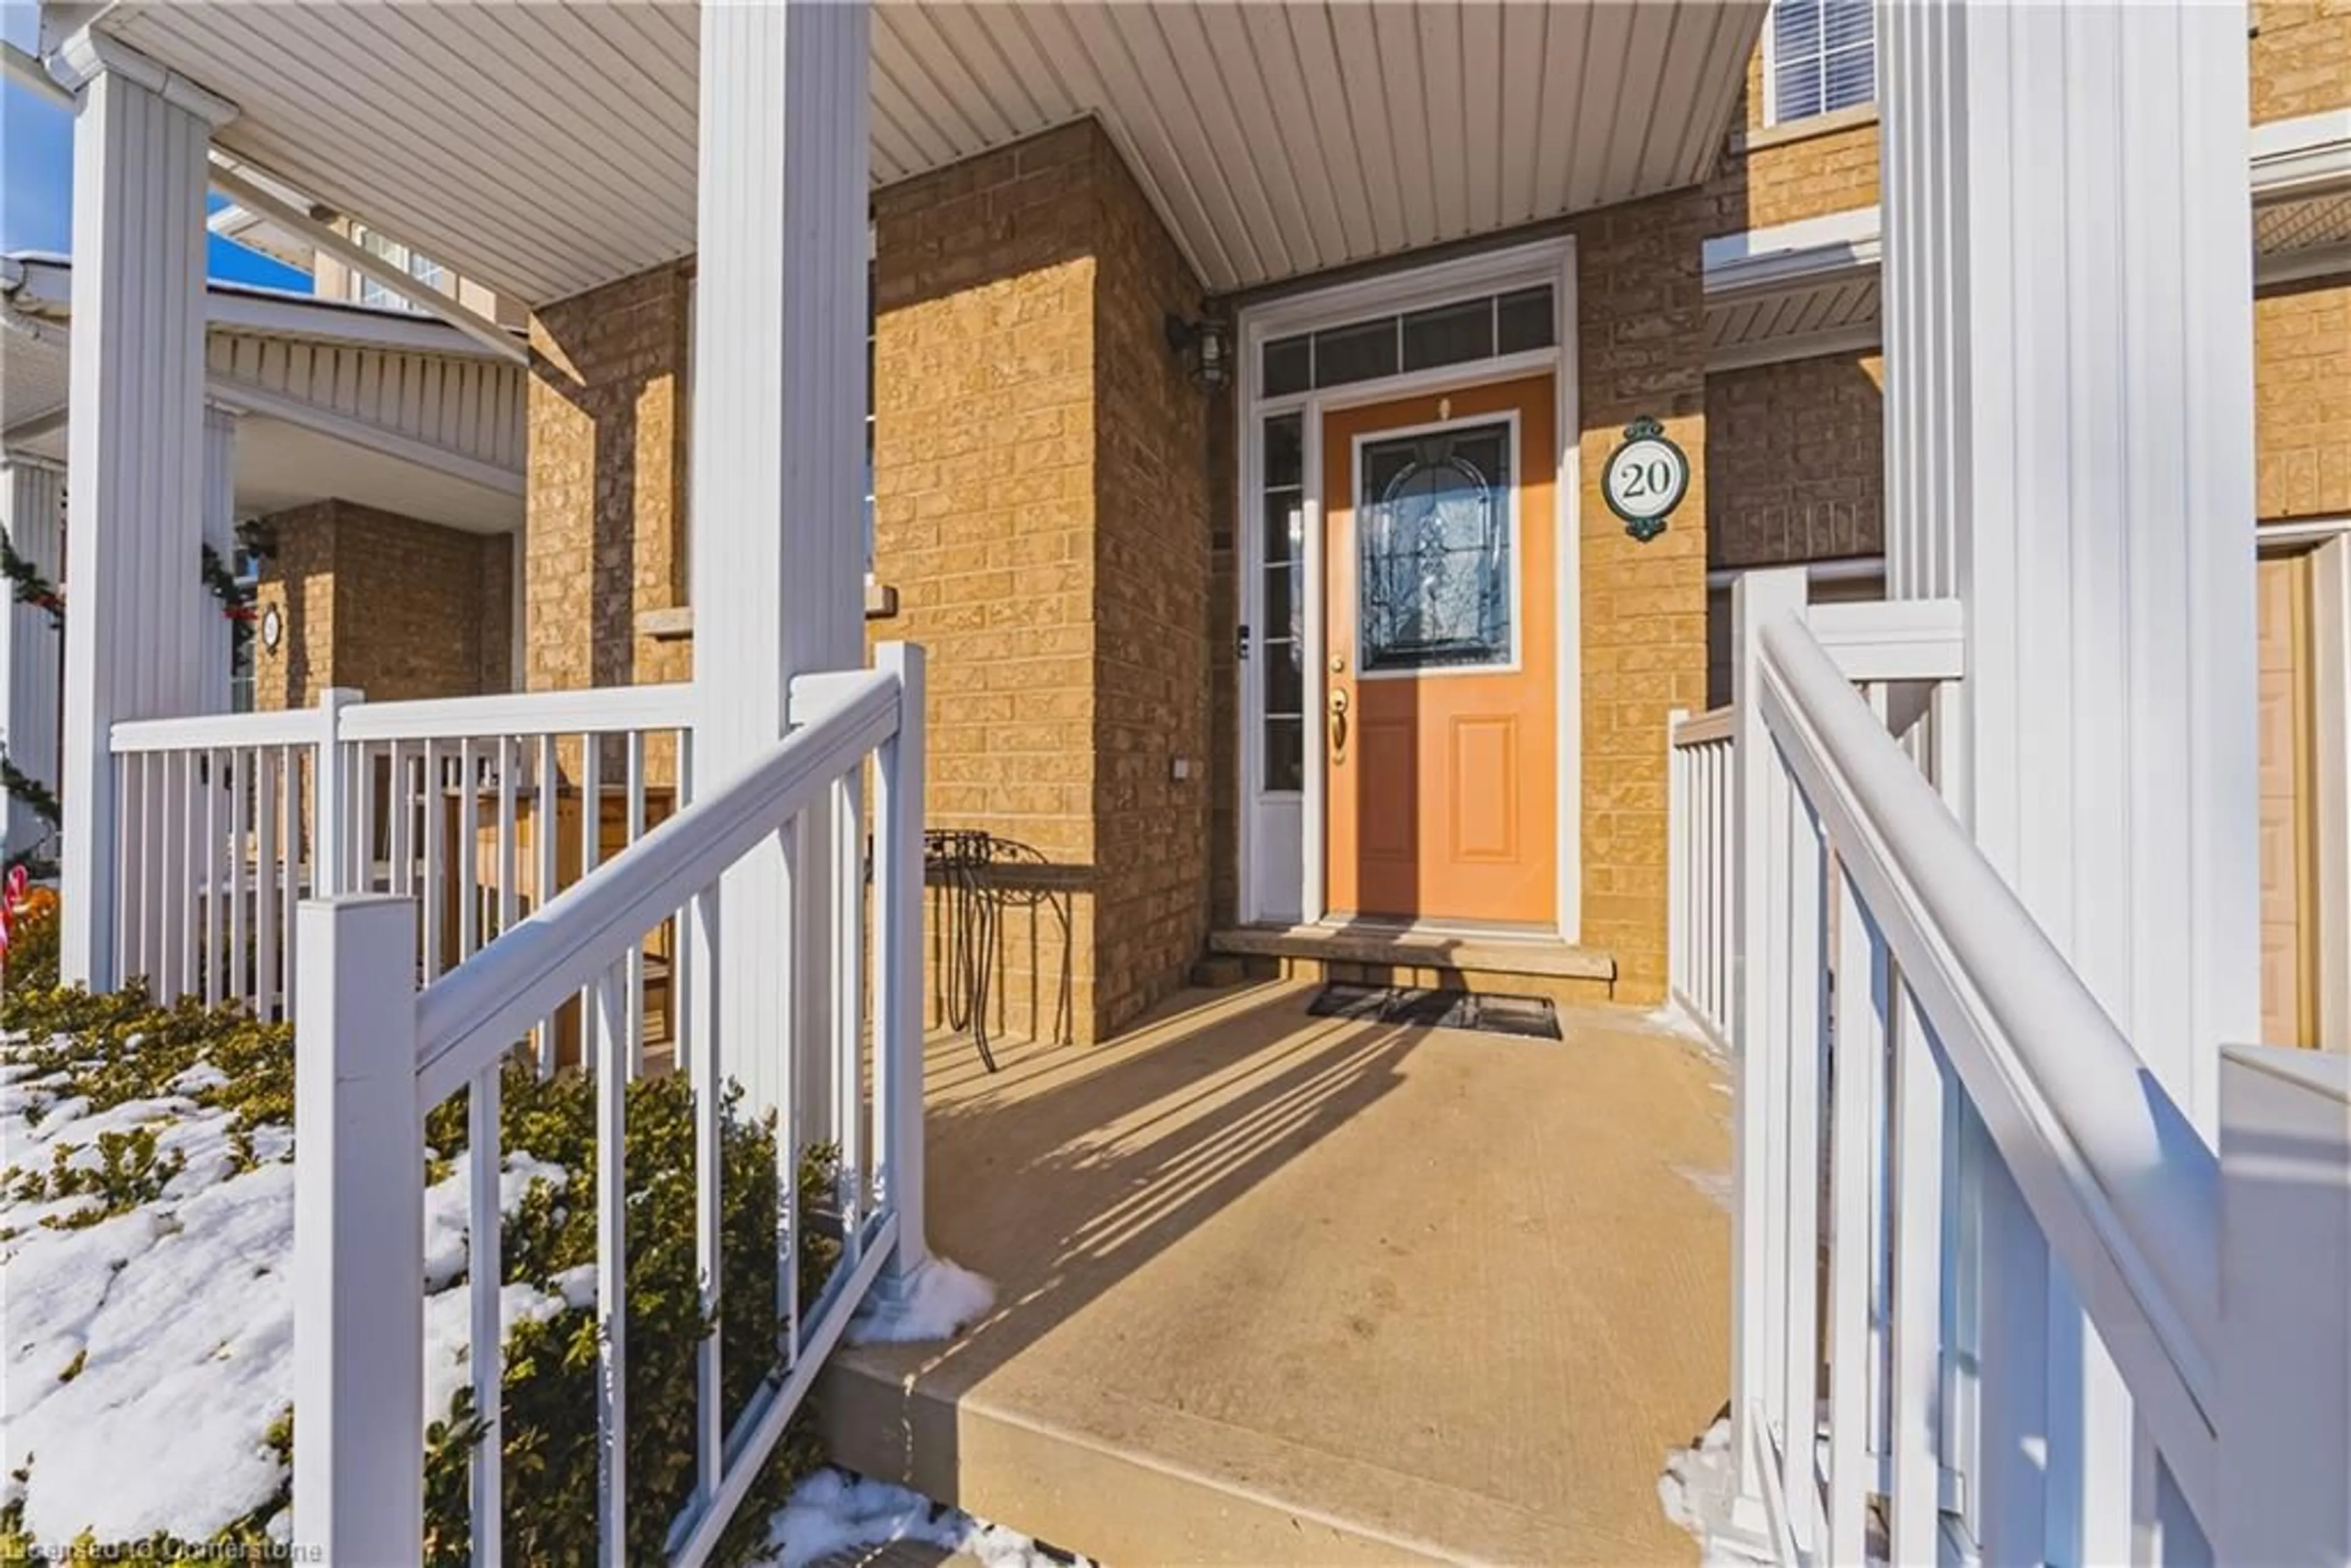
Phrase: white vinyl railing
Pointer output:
(1698, 848)
(475, 809)
(1892, 1000)
(375, 1056)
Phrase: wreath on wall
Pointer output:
(28, 586)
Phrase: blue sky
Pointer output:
(36, 175)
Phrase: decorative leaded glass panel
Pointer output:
(1433, 543)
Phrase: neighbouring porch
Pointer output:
(1277, 1287)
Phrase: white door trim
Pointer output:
(1551, 261)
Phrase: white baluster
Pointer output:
(1915, 1395)
(543, 843)
(898, 965)
(486, 1354)
(698, 1013)
(611, 1274)
(1862, 1001)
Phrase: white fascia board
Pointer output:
(283, 315)
(2304, 157)
(26, 71)
(1858, 339)
(1808, 251)
(241, 225)
(2301, 266)
(42, 284)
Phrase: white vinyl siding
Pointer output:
(1819, 56)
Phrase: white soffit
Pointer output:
(1811, 288)
(1792, 291)
(547, 149)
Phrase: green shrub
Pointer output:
(119, 1047)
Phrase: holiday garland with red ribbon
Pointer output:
(28, 586)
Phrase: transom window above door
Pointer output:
(1459, 333)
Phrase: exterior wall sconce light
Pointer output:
(1205, 348)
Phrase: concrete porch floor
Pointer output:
(1282, 1289)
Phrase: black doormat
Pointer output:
(1532, 1018)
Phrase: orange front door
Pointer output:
(1440, 653)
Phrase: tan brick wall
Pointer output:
(985, 450)
(1795, 460)
(2300, 63)
(1152, 620)
(2302, 400)
(1802, 171)
(1641, 335)
(2301, 57)
(297, 580)
(391, 606)
(1224, 668)
(602, 531)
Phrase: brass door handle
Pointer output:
(1337, 723)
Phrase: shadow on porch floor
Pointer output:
(1283, 1289)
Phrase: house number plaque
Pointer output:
(1645, 479)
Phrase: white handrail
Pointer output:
(469, 1016)
(594, 710)
(363, 1032)
(278, 726)
(1715, 723)
(2125, 1188)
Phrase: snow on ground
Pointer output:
(147, 1355)
(945, 1298)
(1690, 1474)
(833, 1512)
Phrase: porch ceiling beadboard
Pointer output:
(1276, 139)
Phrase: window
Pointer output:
(1281, 640)
(1459, 333)
(1819, 56)
(368, 291)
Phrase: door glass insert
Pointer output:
(1434, 557)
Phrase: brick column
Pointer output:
(1042, 510)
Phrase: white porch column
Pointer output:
(777, 539)
(220, 532)
(2070, 450)
(32, 511)
(135, 623)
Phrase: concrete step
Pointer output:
(899, 1554)
(1072, 1490)
(1511, 962)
